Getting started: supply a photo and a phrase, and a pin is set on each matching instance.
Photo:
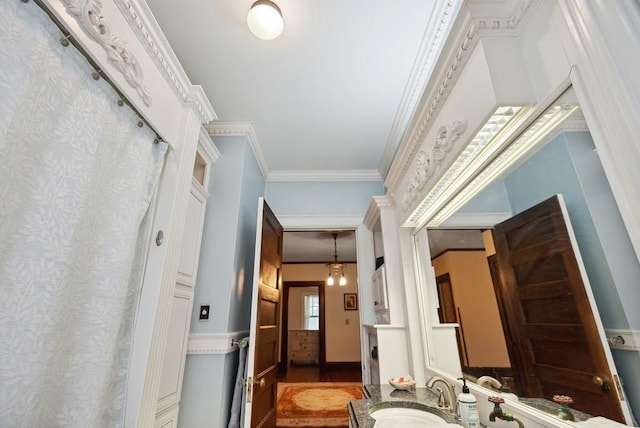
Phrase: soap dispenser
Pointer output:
(468, 407)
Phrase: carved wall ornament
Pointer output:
(440, 94)
(87, 14)
(445, 137)
(444, 140)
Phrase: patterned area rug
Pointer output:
(316, 404)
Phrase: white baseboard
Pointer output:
(214, 343)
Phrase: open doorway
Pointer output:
(307, 260)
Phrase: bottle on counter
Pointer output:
(468, 407)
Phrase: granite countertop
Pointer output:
(383, 396)
(553, 408)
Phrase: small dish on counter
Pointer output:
(403, 383)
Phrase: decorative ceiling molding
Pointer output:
(240, 129)
(473, 29)
(439, 93)
(207, 146)
(88, 13)
(426, 161)
(431, 45)
(363, 175)
(142, 23)
(510, 25)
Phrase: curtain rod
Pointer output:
(98, 73)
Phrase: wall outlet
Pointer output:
(204, 312)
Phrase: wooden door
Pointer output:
(262, 354)
(448, 313)
(552, 317)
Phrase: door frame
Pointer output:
(364, 260)
(284, 322)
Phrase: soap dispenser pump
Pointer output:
(468, 407)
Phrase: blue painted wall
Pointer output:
(322, 198)
(225, 271)
(225, 274)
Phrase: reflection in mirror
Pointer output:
(519, 269)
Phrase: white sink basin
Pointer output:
(401, 417)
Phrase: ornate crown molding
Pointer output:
(432, 106)
(510, 25)
(426, 161)
(141, 21)
(430, 47)
(88, 14)
(243, 129)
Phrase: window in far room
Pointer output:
(311, 312)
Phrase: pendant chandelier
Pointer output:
(336, 269)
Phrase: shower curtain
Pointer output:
(76, 178)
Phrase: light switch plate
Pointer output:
(204, 312)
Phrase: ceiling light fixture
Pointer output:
(265, 20)
(336, 268)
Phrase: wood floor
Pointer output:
(309, 373)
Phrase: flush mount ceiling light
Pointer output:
(265, 20)
(336, 268)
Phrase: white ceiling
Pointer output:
(331, 96)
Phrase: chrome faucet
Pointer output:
(497, 412)
(450, 402)
(491, 381)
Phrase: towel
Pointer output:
(237, 405)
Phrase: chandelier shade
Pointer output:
(336, 269)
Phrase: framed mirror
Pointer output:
(528, 258)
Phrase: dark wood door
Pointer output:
(551, 312)
(448, 313)
(262, 356)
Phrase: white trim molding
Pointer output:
(141, 21)
(434, 97)
(509, 25)
(214, 343)
(241, 129)
(626, 340)
(476, 220)
(433, 40)
(311, 222)
(97, 27)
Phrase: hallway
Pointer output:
(308, 397)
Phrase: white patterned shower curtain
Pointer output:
(76, 178)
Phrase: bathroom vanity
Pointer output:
(378, 397)
(385, 396)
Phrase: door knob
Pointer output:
(261, 383)
(603, 383)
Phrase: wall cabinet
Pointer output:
(303, 346)
(387, 331)
(170, 387)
